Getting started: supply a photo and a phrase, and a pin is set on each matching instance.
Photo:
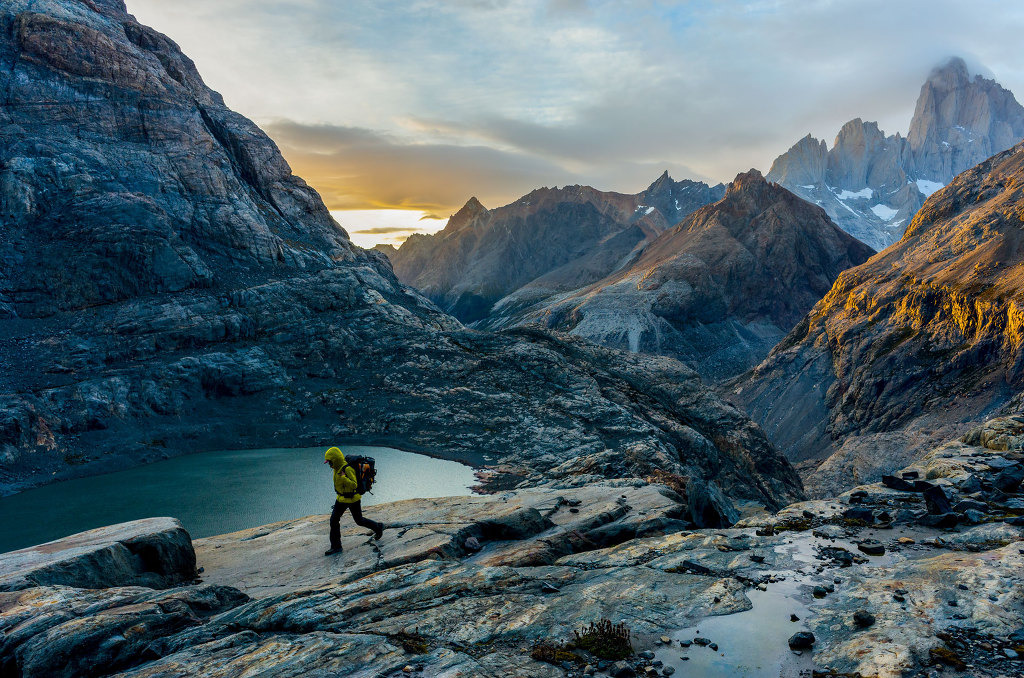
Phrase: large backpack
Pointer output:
(366, 472)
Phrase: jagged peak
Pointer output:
(953, 70)
(473, 205)
(466, 214)
(660, 183)
(746, 181)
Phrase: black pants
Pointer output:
(357, 515)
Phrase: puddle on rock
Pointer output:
(755, 643)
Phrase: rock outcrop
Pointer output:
(872, 185)
(718, 290)
(497, 585)
(923, 338)
(551, 240)
(156, 552)
(167, 285)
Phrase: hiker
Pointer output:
(345, 485)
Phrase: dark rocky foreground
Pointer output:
(167, 285)
(918, 576)
(908, 348)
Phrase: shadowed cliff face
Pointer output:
(549, 241)
(717, 291)
(926, 335)
(167, 285)
(872, 185)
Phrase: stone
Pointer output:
(1009, 479)
(970, 504)
(708, 506)
(941, 520)
(621, 669)
(936, 500)
(973, 517)
(819, 592)
(872, 547)
(896, 483)
(865, 515)
(970, 485)
(863, 619)
(801, 640)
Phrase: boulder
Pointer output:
(708, 506)
(154, 552)
(801, 640)
(895, 483)
(936, 500)
(1009, 479)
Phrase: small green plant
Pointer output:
(75, 458)
(413, 643)
(554, 654)
(605, 639)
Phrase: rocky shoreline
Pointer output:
(917, 576)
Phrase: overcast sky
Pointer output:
(397, 109)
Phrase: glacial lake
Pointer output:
(218, 492)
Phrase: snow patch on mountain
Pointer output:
(884, 212)
(928, 187)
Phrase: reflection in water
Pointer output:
(217, 492)
(754, 643)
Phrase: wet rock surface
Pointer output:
(418, 603)
(167, 285)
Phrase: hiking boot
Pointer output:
(379, 532)
(332, 551)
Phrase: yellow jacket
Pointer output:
(344, 476)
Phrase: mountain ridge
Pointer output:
(549, 240)
(718, 290)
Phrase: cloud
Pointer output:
(359, 169)
(420, 104)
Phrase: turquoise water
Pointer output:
(217, 492)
